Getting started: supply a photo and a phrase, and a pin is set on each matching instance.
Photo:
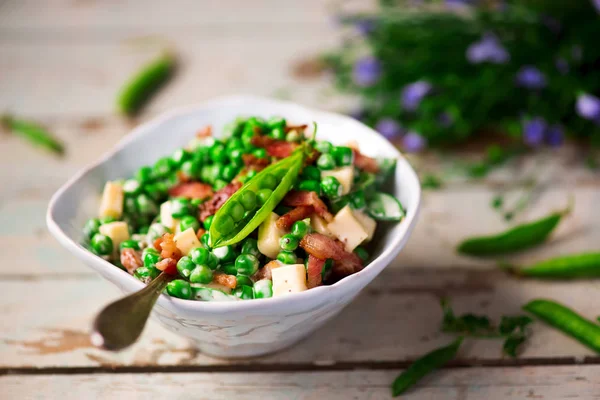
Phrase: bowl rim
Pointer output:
(390, 251)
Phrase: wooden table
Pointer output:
(61, 63)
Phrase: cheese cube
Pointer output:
(348, 229)
(111, 204)
(269, 235)
(186, 241)
(289, 279)
(345, 175)
(319, 225)
(367, 222)
(117, 231)
(166, 219)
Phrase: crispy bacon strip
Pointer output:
(287, 220)
(300, 128)
(167, 265)
(250, 160)
(313, 270)
(204, 132)
(131, 260)
(226, 280)
(365, 163)
(323, 247)
(265, 271)
(274, 147)
(200, 233)
(168, 248)
(211, 206)
(296, 198)
(191, 190)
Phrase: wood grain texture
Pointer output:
(556, 383)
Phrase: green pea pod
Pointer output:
(518, 238)
(33, 133)
(566, 320)
(425, 365)
(145, 83)
(287, 170)
(586, 265)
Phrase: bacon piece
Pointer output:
(204, 132)
(313, 271)
(274, 147)
(365, 163)
(211, 206)
(226, 280)
(191, 190)
(287, 220)
(296, 198)
(157, 242)
(131, 260)
(250, 160)
(200, 233)
(167, 265)
(265, 271)
(300, 128)
(169, 248)
(262, 141)
(323, 247)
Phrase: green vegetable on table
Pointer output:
(140, 87)
(567, 321)
(585, 265)
(32, 132)
(425, 365)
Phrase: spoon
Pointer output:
(120, 323)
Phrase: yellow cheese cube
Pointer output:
(269, 235)
(111, 204)
(166, 218)
(345, 175)
(319, 225)
(186, 241)
(347, 229)
(289, 279)
(367, 222)
(117, 231)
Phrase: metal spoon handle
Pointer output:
(120, 323)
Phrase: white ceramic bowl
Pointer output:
(243, 328)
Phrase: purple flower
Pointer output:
(365, 26)
(413, 94)
(534, 131)
(388, 128)
(562, 65)
(596, 4)
(413, 142)
(588, 106)
(366, 71)
(487, 49)
(531, 77)
(555, 136)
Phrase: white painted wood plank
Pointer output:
(572, 382)
(397, 318)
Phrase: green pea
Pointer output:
(180, 208)
(323, 147)
(171, 180)
(251, 174)
(269, 182)
(107, 220)
(312, 173)
(180, 156)
(143, 229)
(294, 136)
(101, 244)
(234, 143)
(259, 153)
(246, 264)
(201, 154)
(248, 200)
(219, 184)
(144, 174)
(331, 187)
(150, 256)
(310, 186)
(130, 206)
(213, 261)
(156, 190)
(299, 229)
(247, 136)
(343, 155)
(130, 244)
(187, 222)
(91, 227)
(191, 168)
(205, 240)
(358, 200)
(235, 211)
(146, 205)
(250, 246)
(278, 133)
(196, 202)
(256, 122)
(163, 166)
(131, 187)
(263, 195)
(146, 273)
(263, 289)
(287, 257)
(180, 289)
(276, 122)
(225, 254)
(199, 255)
(288, 242)
(229, 269)
(208, 221)
(326, 162)
(243, 280)
(236, 157)
(229, 172)
(218, 153)
(201, 274)
(185, 266)
(244, 292)
(361, 253)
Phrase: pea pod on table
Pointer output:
(585, 265)
(34, 133)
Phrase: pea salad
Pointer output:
(264, 212)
